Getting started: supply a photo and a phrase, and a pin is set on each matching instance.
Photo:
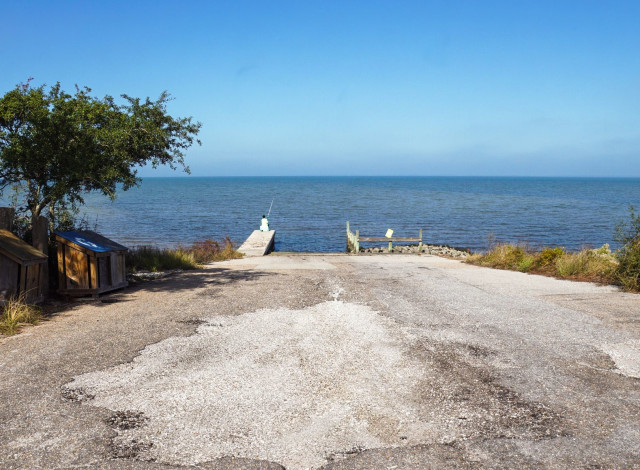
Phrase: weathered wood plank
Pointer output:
(77, 268)
(62, 272)
(9, 275)
(353, 241)
(93, 272)
(392, 239)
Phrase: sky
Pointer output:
(469, 88)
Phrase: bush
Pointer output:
(628, 256)
(16, 313)
(548, 256)
(629, 266)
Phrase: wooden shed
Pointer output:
(89, 264)
(21, 267)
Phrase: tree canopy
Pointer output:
(57, 147)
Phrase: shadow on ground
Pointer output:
(210, 278)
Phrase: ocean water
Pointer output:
(310, 213)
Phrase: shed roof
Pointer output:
(91, 241)
(18, 249)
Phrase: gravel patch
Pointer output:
(437, 250)
(336, 383)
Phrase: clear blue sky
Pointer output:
(532, 88)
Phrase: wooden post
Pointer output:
(357, 241)
(93, 273)
(6, 218)
(390, 246)
(40, 232)
(62, 275)
(420, 244)
(348, 238)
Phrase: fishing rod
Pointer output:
(269, 213)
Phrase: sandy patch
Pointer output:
(626, 356)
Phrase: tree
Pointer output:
(56, 147)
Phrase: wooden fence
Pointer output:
(354, 239)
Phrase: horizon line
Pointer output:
(391, 176)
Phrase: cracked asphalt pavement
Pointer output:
(333, 362)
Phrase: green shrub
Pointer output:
(526, 263)
(548, 256)
(604, 251)
(16, 312)
(628, 256)
(628, 272)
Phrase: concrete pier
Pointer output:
(258, 244)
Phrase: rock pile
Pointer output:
(439, 250)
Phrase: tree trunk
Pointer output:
(40, 234)
(6, 218)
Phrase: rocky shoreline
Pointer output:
(438, 250)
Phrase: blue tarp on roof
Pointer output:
(91, 241)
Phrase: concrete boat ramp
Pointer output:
(258, 244)
(329, 362)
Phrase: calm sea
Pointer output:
(310, 213)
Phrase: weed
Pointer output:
(16, 312)
(154, 259)
(571, 264)
(525, 263)
(208, 251)
(161, 259)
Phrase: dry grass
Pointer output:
(210, 250)
(505, 256)
(586, 265)
(148, 258)
(598, 265)
(16, 313)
